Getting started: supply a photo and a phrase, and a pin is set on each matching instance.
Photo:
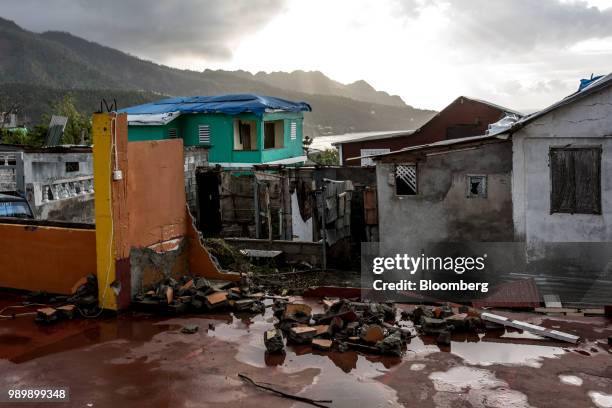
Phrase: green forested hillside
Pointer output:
(36, 69)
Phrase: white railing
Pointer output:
(44, 192)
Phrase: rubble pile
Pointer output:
(345, 325)
(368, 326)
(83, 301)
(440, 322)
(196, 294)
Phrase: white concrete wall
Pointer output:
(43, 167)
(587, 122)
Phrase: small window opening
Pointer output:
(72, 167)
(477, 186)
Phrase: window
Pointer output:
(172, 133)
(72, 167)
(273, 134)
(575, 180)
(204, 134)
(293, 130)
(476, 186)
(405, 179)
(8, 160)
(245, 135)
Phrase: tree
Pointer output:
(327, 157)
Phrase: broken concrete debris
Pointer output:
(297, 312)
(301, 334)
(322, 344)
(196, 294)
(391, 345)
(366, 326)
(47, 315)
(372, 333)
(67, 311)
(273, 340)
(83, 301)
(190, 329)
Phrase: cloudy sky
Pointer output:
(524, 54)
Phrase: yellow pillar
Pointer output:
(105, 243)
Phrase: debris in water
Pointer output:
(190, 329)
(273, 341)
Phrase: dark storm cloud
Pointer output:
(517, 25)
(526, 24)
(154, 29)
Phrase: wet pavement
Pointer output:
(142, 360)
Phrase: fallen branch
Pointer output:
(316, 403)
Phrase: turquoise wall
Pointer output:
(222, 136)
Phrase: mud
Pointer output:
(140, 360)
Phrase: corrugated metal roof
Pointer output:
(442, 143)
(363, 136)
(493, 105)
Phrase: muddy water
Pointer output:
(330, 375)
(339, 372)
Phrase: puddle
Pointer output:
(487, 353)
(457, 379)
(86, 333)
(337, 372)
(475, 387)
(484, 351)
(600, 399)
(571, 380)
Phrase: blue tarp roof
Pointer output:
(230, 104)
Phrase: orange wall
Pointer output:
(155, 192)
(45, 258)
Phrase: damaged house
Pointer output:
(542, 182)
(450, 191)
(562, 181)
(463, 117)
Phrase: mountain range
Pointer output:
(38, 68)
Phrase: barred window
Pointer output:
(405, 179)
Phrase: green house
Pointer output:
(239, 130)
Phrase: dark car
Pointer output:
(13, 205)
